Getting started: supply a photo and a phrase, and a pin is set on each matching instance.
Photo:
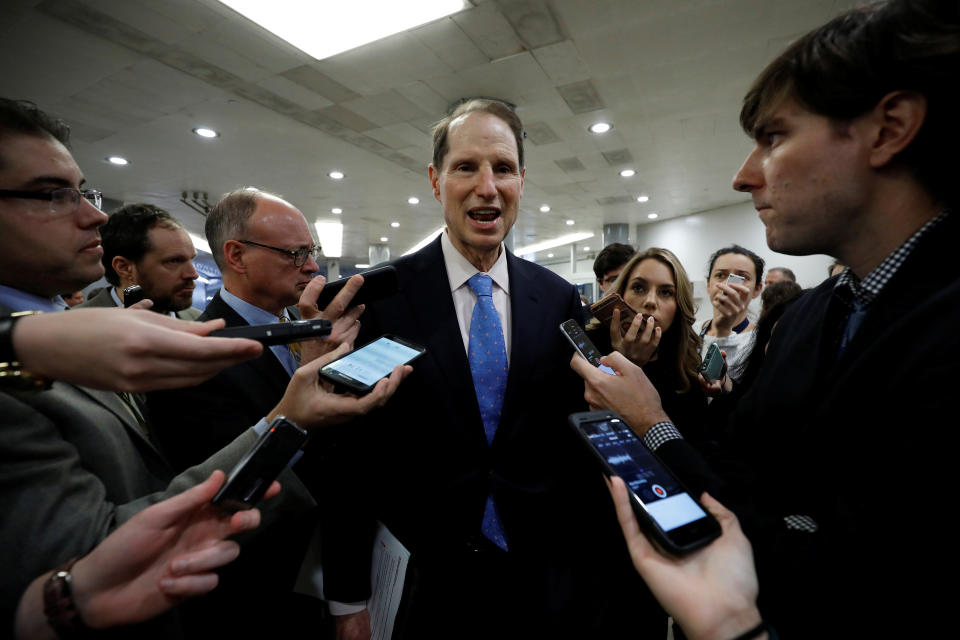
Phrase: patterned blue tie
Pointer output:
(488, 366)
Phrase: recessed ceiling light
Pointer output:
(394, 224)
(205, 132)
(627, 173)
(642, 198)
(600, 127)
(118, 160)
(652, 216)
(586, 248)
(383, 238)
(361, 265)
(570, 223)
(336, 210)
(413, 200)
(336, 175)
(549, 255)
(544, 208)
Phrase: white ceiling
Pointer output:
(134, 77)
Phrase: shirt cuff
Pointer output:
(659, 433)
(346, 608)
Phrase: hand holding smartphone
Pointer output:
(604, 308)
(714, 365)
(132, 295)
(584, 346)
(665, 510)
(378, 283)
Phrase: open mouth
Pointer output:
(484, 216)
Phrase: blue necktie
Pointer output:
(487, 355)
(854, 320)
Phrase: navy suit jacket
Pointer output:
(422, 464)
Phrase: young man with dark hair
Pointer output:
(846, 461)
(145, 245)
(609, 264)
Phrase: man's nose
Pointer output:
(486, 184)
(749, 177)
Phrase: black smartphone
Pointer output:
(361, 369)
(259, 467)
(132, 295)
(278, 332)
(378, 283)
(713, 366)
(666, 511)
(584, 346)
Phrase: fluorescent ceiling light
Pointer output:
(556, 242)
(361, 265)
(199, 243)
(205, 132)
(425, 241)
(642, 198)
(324, 29)
(384, 239)
(570, 223)
(330, 235)
(118, 160)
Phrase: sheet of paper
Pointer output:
(388, 572)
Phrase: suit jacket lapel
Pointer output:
(112, 402)
(526, 331)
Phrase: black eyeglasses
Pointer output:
(299, 256)
(62, 201)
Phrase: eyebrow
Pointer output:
(645, 281)
(52, 180)
(762, 126)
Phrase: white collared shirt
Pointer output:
(459, 270)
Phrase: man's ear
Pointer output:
(898, 118)
(233, 256)
(126, 269)
(434, 176)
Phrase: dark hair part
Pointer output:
(747, 369)
(743, 251)
(228, 220)
(126, 234)
(843, 69)
(498, 108)
(22, 117)
(613, 256)
(787, 273)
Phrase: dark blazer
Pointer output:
(75, 465)
(193, 422)
(863, 444)
(422, 464)
(104, 299)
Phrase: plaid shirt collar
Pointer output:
(857, 293)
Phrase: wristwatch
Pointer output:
(12, 376)
(58, 603)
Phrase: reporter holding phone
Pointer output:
(734, 278)
(661, 338)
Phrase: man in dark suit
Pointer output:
(840, 466)
(473, 466)
(144, 245)
(266, 254)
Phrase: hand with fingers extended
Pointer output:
(125, 349)
(310, 401)
(345, 319)
(162, 555)
(712, 592)
(641, 340)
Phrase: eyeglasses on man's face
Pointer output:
(299, 256)
(62, 201)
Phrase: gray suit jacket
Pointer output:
(104, 299)
(76, 465)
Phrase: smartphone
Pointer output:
(584, 346)
(132, 295)
(360, 370)
(278, 332)
(378, 283)
(735, 279)
(260, 466)
(603, 309)
(713, 366)
(666, 511)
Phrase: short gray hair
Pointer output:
(229, 219)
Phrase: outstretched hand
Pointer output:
(345, 319)
(712, 592)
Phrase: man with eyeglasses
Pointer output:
(267, 256)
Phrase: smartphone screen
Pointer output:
(578, 338)
(360, 370)
(684, 523)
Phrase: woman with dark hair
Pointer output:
(655, 284)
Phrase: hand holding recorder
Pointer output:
(729, 304)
